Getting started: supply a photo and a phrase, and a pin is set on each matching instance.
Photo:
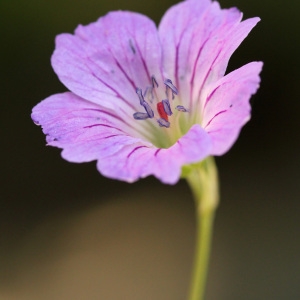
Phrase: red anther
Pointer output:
(161, 111)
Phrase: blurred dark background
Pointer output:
(66, 232)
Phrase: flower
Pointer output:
(146, 101)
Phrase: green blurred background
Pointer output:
(68, 233)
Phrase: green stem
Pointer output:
(203, 181)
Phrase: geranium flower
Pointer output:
(146, 101)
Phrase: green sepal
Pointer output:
(187, 169)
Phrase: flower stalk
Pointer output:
(203, 181)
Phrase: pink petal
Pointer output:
(138, 161)
(79, 126)
(227, 108)
(104, 62)
(198, 39)
(85, 133)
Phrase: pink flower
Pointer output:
(146, 101)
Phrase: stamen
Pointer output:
(140, 116)
(154, 82)
(163, 107)
(167, 107)
(148, 109)
(163, 123)
(161, 111)
(149, 91)
(181, 108)
(171, 86)
(140, 94)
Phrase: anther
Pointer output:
(181, 108)
(163, 123)
(171, 86)
(167, 107)
(140, 116)
(149, 91)
(163, 107)
(140, 94)
(132, 47)
(154, 82)
(148, 109)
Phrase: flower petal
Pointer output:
(227, 107)
(78, 126)
(87, 133)
(104, 62)
(198, 38)
(137, 161)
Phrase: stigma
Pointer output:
(155, 108)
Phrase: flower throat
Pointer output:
(163, 108)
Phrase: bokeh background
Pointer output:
(66, 232)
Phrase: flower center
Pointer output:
(163, 108)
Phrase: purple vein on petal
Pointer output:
(120, 67)
(177, 59)
(177, 63)
(210, 95)
(113, 89)
(136, 129)
(126, 75)
(206, 76)
(122, 70)
(144, 63)
(135, 149)
(177, 56)
(156, 152)
(217, 114)
(111, 136)
(107, 113)
(104, 125)
(194, 71)
(142, 59)
(61, 116)
(112, 115)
